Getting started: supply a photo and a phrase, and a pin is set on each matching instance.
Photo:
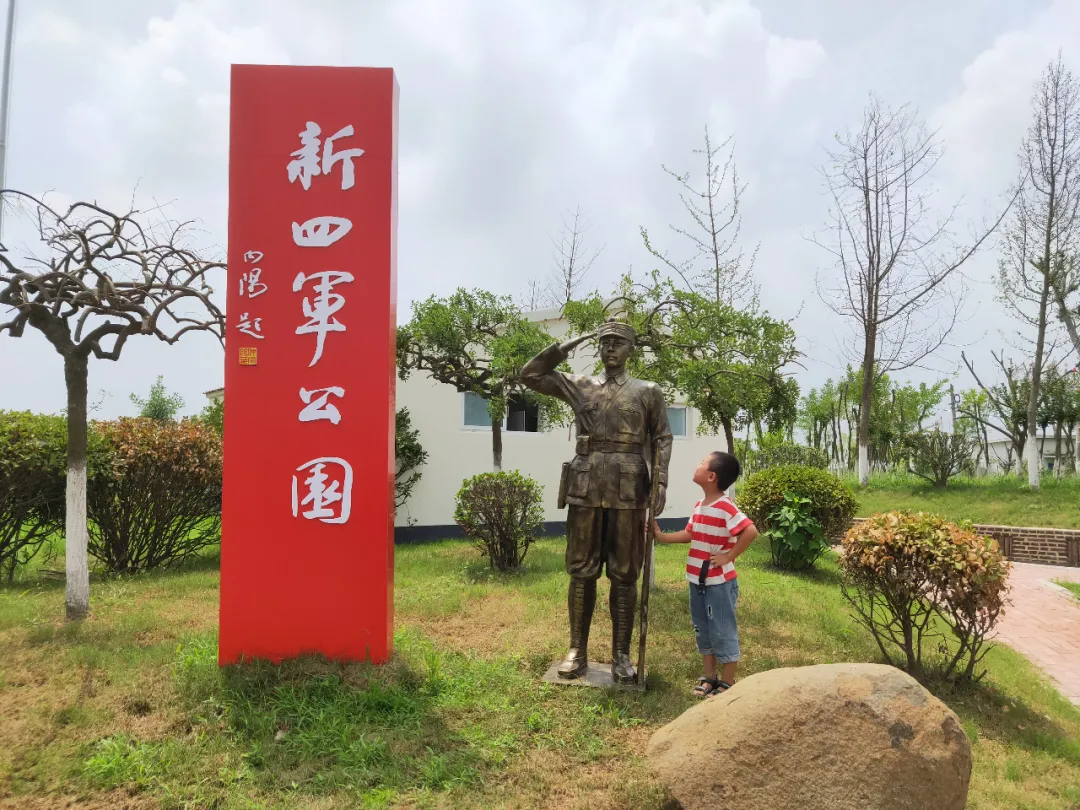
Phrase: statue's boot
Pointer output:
(623, 602)
(580, 600)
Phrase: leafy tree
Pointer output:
(727, 361)
(974, 402)
(214, 416)
(409, 456)
(830, 416)
(1006, 403)
(103, 278)
(160, 405)
(476, 342)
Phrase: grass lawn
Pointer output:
(1069, 586)
(998, 500)
(129, 709)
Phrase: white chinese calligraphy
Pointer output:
(250, 284)
(253, 257)
(320, 407)
(320, 231)
(249, 327)
(320, 312)
(323, 492)
(307, 165)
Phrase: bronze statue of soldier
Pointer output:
(606, 486)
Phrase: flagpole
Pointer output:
(5, 101)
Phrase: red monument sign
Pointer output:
(307, 553)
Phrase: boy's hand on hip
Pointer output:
(721, 558)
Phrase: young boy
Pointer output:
(717, 533)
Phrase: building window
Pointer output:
(523, 415)
(476, 411)
(676, 415)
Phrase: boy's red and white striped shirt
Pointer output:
(713, 529)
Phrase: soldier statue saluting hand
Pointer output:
(618, 419)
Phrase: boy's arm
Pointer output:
(669, 537)
(746, 537)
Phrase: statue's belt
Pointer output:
(587, 445)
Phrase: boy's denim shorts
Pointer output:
(712, 611)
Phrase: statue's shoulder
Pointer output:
(647, 389)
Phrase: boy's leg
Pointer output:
(709, 665)
(700, 620)
(728, 675)
(723, 627)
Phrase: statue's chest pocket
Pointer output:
(630, 420)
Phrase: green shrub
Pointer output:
(832, 503)
(33, 458)
(158, 502)
(790, 454)
(937, 456)
(795, 537)
(902, 570)
(33, 475)
(502, 515)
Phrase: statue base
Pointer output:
(597, 675)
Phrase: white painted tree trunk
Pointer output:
(1034, 462)
(864, 464)
(77, 595)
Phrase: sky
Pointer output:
(511, 113)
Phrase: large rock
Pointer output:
(834, 736)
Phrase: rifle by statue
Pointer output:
(646, 571)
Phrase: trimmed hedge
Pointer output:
(159, 500)
(832, 503)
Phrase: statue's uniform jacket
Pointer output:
(619, 418)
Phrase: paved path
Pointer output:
(1043, 623)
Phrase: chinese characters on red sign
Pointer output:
(307, 537)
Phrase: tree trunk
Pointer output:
(1076, 451)
(1057, 449)
(864, 411)
(729, 433)
(496, 443)
(77, 595)
(1034, 448)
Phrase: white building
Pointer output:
(1002, 457)
(455, 430)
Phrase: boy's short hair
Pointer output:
(726, 468)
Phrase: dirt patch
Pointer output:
(117, 800)
(490, 625)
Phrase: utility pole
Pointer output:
(5, 102)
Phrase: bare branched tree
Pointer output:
(1038, 268)
(716, 267)
(534, 296)
(572, 259)
(104, 277)
(898, 260)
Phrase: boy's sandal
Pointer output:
(705, 687)
(719, 688)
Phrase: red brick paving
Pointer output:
(1043, 623)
